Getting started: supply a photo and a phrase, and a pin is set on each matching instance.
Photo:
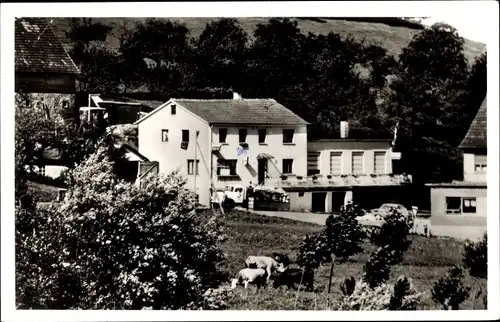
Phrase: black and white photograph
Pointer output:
(241, 158)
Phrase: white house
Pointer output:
(459, 209)
(345, 169)
(215, 142)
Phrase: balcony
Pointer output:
(317, 181)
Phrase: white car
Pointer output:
(376, 217)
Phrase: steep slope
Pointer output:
(384, 32)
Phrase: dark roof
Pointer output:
(245, 111)
(51, 154)
(476, 136)
(151, 104)
(38, 50)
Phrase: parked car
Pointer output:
(375, 217)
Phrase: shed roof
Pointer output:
(476, 136)
(38, 50)
(238, 111)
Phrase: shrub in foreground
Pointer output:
(449, 291)
(120, 247)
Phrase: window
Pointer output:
(41, 171)
(480, 163)
(357, 163)
(288, 135)
(222, 135)
(336, 163)
(173, 109)
(185, 135)
(469, 205)
(262, 135)
(459, 205)
(453, 205)
(191, 167)
(226, 167)
(379, 163)
(65, 104)
(164, 135)
(312, 163)
(243, 135)
(287, 166)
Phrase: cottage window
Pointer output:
(379, 162)
(469, 205)
(226, 167)
(357, 163)
(164, 135)
(480, 163)
(242, 135)
(173, 109)
(191, 168)
(262, 136)
(453, 205)
(185, 135)
(336, 163)
(312, 163)
(288, 135)
(222, 135)
(287, 166)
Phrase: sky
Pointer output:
(467, 27)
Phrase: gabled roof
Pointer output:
(476, 136)
(38, 50)
(237, 111)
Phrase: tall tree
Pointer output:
(431, 78)
(158, 54)
(99, 65)
(220, 55)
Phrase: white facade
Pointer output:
(475, 169)
(161, 136)
(351, 156)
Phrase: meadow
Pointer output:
(428, 259)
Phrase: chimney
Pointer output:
(237, 96)
(344, 129)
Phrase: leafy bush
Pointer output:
(475, 257)
(392, 241)
(401, 296)
(313, 251)
(449, 291)
(116, 246)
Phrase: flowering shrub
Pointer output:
(449, 291)
(111, 245)
(401, 296)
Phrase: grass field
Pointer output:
(248, 234)
(44, 192)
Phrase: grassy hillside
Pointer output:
(387, 35)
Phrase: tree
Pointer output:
(392, 242)
(449, 291)
(475, 259)
(220, 55)
(431, 78)
(116, 246)
(158, 53)
(99, 66)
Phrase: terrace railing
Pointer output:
(339, 180)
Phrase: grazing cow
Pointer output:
(347, 285)
(292, 276)
(264, 262)
(247, 276)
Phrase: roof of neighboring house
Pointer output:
(237, 111)
(38, 50)
(51, 154)
(476, 136)
(130, 147)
